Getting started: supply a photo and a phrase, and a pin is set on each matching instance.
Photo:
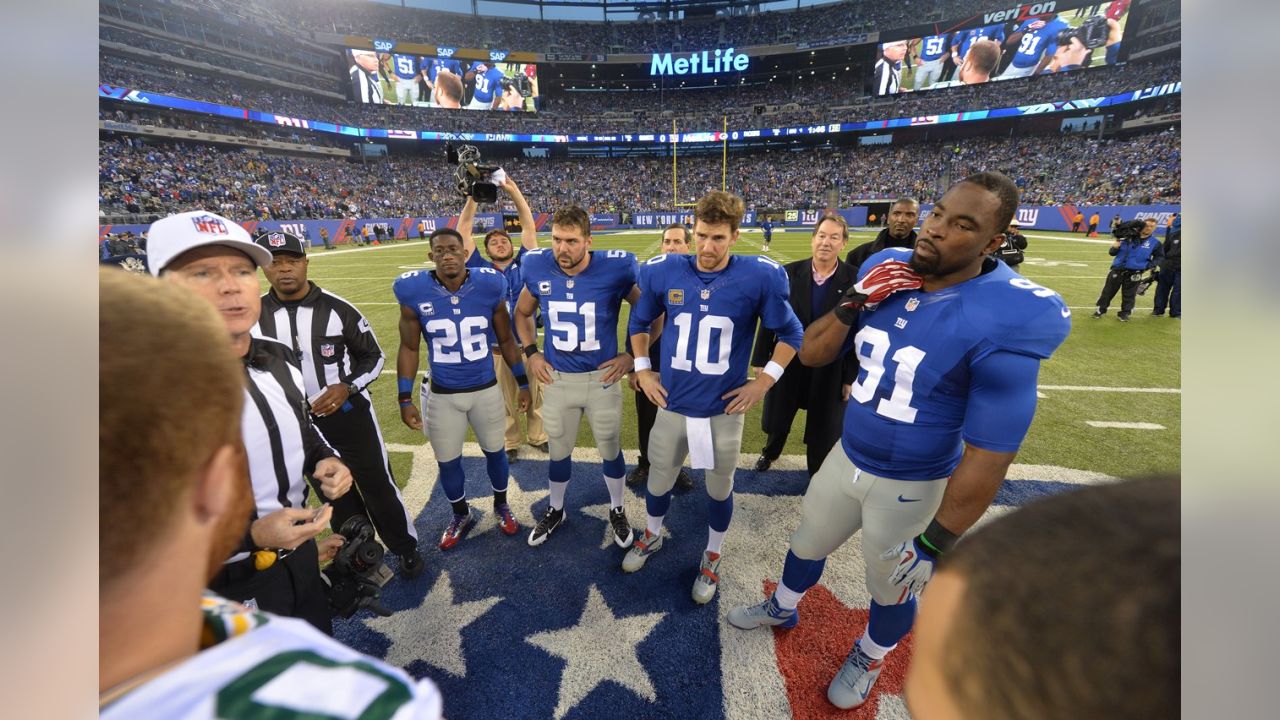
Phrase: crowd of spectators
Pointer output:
(141, 177)
(177, 120)
(795, 101)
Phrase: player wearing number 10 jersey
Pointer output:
(712, 302)
(949, 348)
(580, 291)
(460, 313)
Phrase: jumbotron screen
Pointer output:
(381, 78)
(1045, 43)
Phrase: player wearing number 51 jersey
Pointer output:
(712, 302)
(580, 291)
(460, 313)
(949, 347)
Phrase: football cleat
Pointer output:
(684, 483)
(457, 528)
(506, 521)
(550, 521)
(750, 617)
(852, 685)
(641, 549)
(638, 476)
(411, 566)
(704, 586)
(622, 533)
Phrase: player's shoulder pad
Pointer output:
(486, 278)
(1017, 314)
(895, 253)
(407, 282)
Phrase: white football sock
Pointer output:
(557, 494)
(615, 490)
(787, 598)
(715, 540)
(653, 524)
(871, 649)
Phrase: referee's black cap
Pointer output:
(282, 242)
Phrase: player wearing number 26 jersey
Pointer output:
(712, 301)
(580, 292)
(949, 343)
(460, 313)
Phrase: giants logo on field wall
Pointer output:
(1019, 13)
(1028, 216)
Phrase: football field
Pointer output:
(1110, 397)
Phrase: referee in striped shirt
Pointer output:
(340, 357)
(277, 566)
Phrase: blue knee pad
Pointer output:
(615, 468)
(719, 513)
(657, 505)
(453, 479)
(499, 469)
(799, 574)
(560, 469)
(890, 623)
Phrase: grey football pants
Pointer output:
(669, 445)
(567, 398)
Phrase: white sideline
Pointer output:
(1124, 425)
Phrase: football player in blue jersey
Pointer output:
(949, 342)
(488, 86)
(580, 292)
(460, 312)
(712, 300)
(406, 71)
(930, 61)
(433, 67)
(1036, 42)
(506, 260)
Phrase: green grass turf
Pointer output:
(1144, 353)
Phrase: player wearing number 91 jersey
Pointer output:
(949, 346)
(580, 291)
(712, 301)
(460, 313)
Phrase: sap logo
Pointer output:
(1022, 12)
(383, 45)
(445, 52)
(699, 62)
(497, 55)
(1028, 216)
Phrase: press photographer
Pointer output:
(1135, 251)
(1010, 250)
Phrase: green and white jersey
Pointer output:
(257, 665)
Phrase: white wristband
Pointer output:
(774, 370)
(643, 363)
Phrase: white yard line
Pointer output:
(1123, 425)
(1106, 388)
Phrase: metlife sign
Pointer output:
(698, 63)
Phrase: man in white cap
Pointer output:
(1010, 250)
(276, 567)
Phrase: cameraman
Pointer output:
(1169, 281)
(1010, 250)
(1135, 251)
(505, 259)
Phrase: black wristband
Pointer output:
(936, 539)
(530, 350)
(522, 381)
(848, 313)
(405, 397)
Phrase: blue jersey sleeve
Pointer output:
(649, 306)
(775, 307)
(476, 260)
(403, 290)
(1002, 401)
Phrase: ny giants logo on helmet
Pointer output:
(276, 239)
(209, 225)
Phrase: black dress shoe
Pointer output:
(542, 447)
(638, 476)
(763, 463)
(411, 566)
(684, 483)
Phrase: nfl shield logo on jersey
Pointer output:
(912, 304)
(327, 350)
(275, 239)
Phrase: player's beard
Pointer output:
(233, 523)
(923, 266)
(568, 262)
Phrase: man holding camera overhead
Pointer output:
(1135, 251)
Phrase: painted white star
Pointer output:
(433, 630)
(634, 506)
(602, 646)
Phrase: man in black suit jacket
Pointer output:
(902, 218)
(816, 286)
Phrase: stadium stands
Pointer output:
(146, 178)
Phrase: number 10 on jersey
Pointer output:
(707, 325)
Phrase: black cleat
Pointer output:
(684, 482)
(547, 525)
(411, 566)
(512, 454)
(638, 476)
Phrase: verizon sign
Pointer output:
(1021, 12)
